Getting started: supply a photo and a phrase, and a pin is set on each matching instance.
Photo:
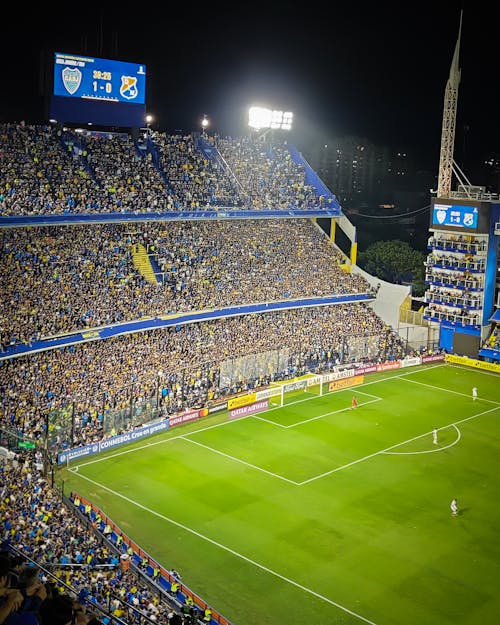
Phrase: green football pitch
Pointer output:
(317, 514)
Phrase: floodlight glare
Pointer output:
(259, 118)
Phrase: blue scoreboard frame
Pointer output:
(92, 90)
(455, 215)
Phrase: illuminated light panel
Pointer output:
(259, 117)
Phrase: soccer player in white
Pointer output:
(435, 436)
(474, 394)
(454, 507)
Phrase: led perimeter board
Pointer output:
(89, 90)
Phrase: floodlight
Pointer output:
(259, 117)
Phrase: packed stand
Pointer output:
(77, 569)
(129, 181)
(268, 175)
(85, 388)
(195, 180)
(66, 278)
(50, 170)
(47, 170)
(41, 175)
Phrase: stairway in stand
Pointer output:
(142, 263)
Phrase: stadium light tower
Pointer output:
(260, 118)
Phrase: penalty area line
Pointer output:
(262, 567)
(234, 459)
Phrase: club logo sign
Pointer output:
(441, 216)
(72, 78)
(468, 219)
(128, 88)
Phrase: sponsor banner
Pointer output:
(134, 435)
(77, 452)
(91, 334)
(295, 386)
(471, 362)
(337, 385)
(217, 407)
(317, 379)
(365, 369)
(433, 358)
(186, 417)
(389, 366)
(411, 362)
(343, 373)
(268, 392)
(242, 400)
(337, 374)
(245, 411)
(114, 441)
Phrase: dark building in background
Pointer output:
(381, 189)
(352, 167)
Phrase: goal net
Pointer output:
(281, 391)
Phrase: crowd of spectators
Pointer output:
(268, 175)
(71, 569)
(195, 180)
(60, 279)
(39, 174)
(180, 367)
(50, 170)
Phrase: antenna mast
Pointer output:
(449, 122)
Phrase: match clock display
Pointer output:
(99, 79)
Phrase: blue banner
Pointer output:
(115, 441)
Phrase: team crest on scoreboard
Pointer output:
(128, 88)
(468, 219)
(72, 78)
(441, 216)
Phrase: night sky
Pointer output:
(377, 71)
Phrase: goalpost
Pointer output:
(278, 390)
(312, 385)
(276, 395)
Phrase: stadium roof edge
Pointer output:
(101, 218)
(496, 316)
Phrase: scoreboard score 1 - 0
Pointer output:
(460, 215)
(455, 215)
(99, 79)
(92, 91)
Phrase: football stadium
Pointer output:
(210, 412)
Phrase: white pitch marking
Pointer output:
(232, 551)
(252, 466)
(384, 451)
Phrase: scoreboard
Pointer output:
(466, 216)
(92, 90)
(455, 215)
(99, 79)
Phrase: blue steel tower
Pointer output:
(462, 266)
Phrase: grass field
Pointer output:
(316, 514)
